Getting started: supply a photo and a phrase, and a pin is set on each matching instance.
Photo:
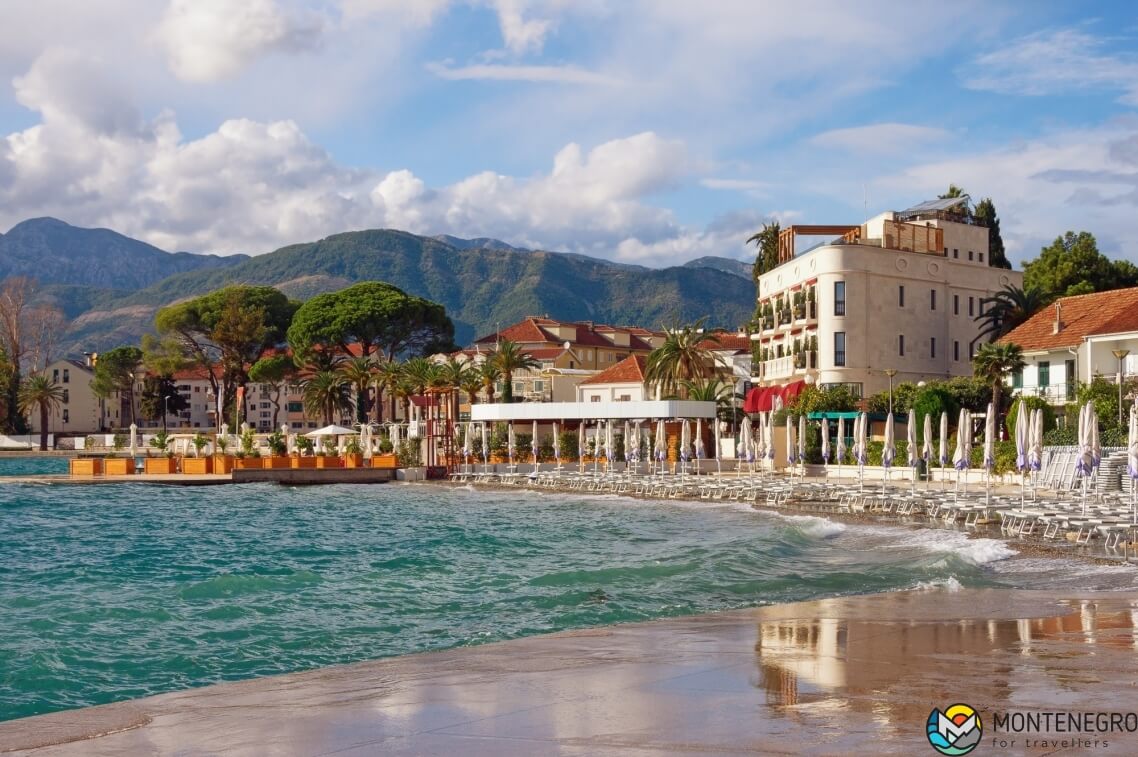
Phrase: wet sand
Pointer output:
(846, 675)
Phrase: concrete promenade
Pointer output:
(851, 675)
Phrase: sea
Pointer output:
(115, 591)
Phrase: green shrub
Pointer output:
(1033, 403)
(568, 440)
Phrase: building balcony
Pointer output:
(1055, 394)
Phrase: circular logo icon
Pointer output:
(956, 730)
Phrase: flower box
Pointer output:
(160, 466)
(118, 466)
(86, 466)
(302, 462)
(197, 465)
(223, 464)
(327, 461)
(354, 460)
(384, 461)
(276, 461)
(247, 462)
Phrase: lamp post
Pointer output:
(165, 410)
(890, 372)
(1120, 354)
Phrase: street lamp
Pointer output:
(165, 410)
(890, 372)
(1120, 354)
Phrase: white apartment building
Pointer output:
(1074, 340)
(79, 410)
(900, 292)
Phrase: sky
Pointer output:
(643, 131)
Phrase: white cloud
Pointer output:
(880, 138)
(733, 185)
(206, 40)
(521, 35)
(499, 72)
(1063, 61)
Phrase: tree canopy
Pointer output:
(985, 215)
(374, 315)
(766, 256)
(1072, 264)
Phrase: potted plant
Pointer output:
(247, 456)
(166, 464)
(85, 466)
(327, 457)
(303, 458)
(811, 305)
(386, 457)
(222, 463)
(198, 464)
(278, 451)
(114, 465)
(353, 454)
(799, 305)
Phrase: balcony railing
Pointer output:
(1053, 393)
(839, 307)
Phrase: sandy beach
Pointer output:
(835, 676)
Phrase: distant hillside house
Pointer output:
(623, 382)
(901, 291)
(1074, 340)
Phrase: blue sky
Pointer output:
(647, 131)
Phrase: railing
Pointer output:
(839, 307)
(780, 367)
(1053, 393)
(839, 358)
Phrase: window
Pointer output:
(980, 256)
(932, 347)
(971, 306)
(956, 350)
(1017, 380)
(55, 376)
(197, 389)
(539, 385)
(932, 299)
(266, 414)
(296, 424)
(901, 296)
(971, 350)
(956, 304)
(1070, 366)
(66, 396)
(970, 254)
(595, 398)
(626, 398)
(296, 407)
(66, 375)
(66, 415)
(572, 364)
(955, 253)
(839, 349)
(1044, 373)
(901, 345)
(839, 298)
(264, 405)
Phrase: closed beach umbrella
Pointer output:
(960, 456)
(888, 452)
(990, 438)
(1096, 446)
(134, 439)
(395, 440)
(911, 440)
(840, 449)
(715, 436)
(581, 435)
(533, 446)
(802, 438)
(511, 442)
(1083, 464)
(770, 437)
(790, 452)
(556, 443)
(485, 444)
(825, 441)
(685, 441)
(1023, 423)
(927, 447)
(745, 451)
(943, 438)
(862, 439)
(1035, 447)
(700, 451)
(661, 447)
(610, 448)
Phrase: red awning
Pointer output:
(759, 399)
(791, 391)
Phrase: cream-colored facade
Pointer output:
(868, 307)
(80, 411)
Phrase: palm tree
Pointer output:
(418, 371)
(38, 392)
(994, 362)
(325, 393)
(387, 375)
(454, 371)
(682, 357)
(490, 374)
(510, 357)
(1007, 309)
(710, 390)
(359, 372)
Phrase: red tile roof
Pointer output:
(534, 330)
(1083, 315)
(627, 371)
(727, 342)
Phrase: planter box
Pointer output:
(118, 466)
(326, 461)
(302, 462)
(162, 466)
(247, 462)
(223, 464)
(86, 466)
(384, 461)
(276, 461)
(354, 460)
(197, 465)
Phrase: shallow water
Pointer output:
(117, 591)
(32, 466)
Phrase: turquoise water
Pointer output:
(32, 466)
(117, 591)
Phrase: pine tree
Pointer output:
(985, 215)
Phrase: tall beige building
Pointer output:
(900, 292)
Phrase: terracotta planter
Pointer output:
(197, 465)
(302, 462)
(161, 466)
(327, 461)
(118, 466)
(276, 461)
(223, 464)
(86, 466)
(354, 460)
(384, 461)
(247, 462)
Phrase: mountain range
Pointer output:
(110, 285)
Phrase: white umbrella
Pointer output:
(661, 446)
(1022, 431)
(889, 451)
(989, 448)
(610, 452)
(395, 440)
(911, 452)
(825, 441)
(627, 443)
(770, 438)
(468, 440)
(960, 458)
(862, 453)
(133, 440)
(715, 441)
(700, 451)
(533, 446)
(746, 449)
(581, 442)
(840, 447)
(333, 430)
(685, 441)
(1035, 446)
(927, 446)
(943, 447)
(511, 443)
(790, 452)
(802, 440)
(1096, 447)
(556, 444)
